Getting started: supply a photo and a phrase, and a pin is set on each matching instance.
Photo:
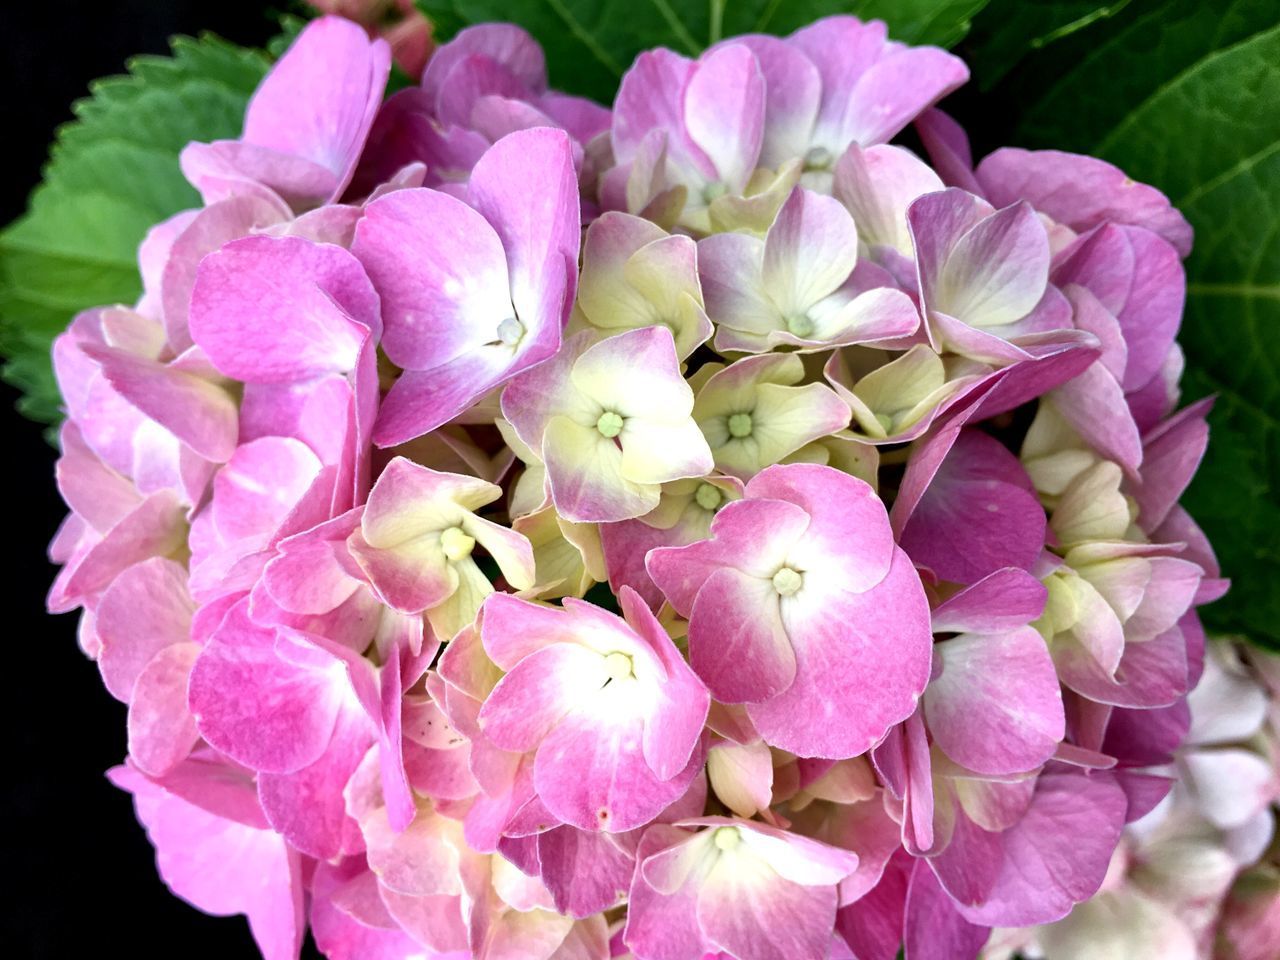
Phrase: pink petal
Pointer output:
(306, 806)
(209, 230)
(724, 104)
(275, 310)
(847, 667)
(444, 291)
(996, 271)
(223, 867)
(752, 536)
(677, 715)
(251, 704)
(872, 926)
(843, 511)
(994, 704)
(738, 644)
(319, 100)
(1081, 192)
(161, 728)
(526, 187)
(539, 691)
(199, 413)
(593, 775)
(145, 610)
(748, 914)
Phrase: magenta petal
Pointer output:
(1093, 403)
(934, 929)
(585, 872)
(1003, 600)
(1057, 854)
(338, 935)
(994, 705)
(1171, 453)
(872, 926)
(978, 478)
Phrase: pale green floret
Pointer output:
(456, 544)
(800, 325)
(726, 838)
(740, 425)
(787, 581)
(708, 497)
(617, 666)
(714, 191)
(886, 421)
(609, 424)
(818, 158)
(510, 331)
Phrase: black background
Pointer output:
(80, 873)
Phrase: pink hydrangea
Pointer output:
(787, 565)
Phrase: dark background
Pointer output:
(80, 872)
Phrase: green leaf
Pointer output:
(112, 174)
(591, 43)
(1182, 94)
(1030, 27)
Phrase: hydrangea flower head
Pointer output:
(526, 529)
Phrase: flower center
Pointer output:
(714, 191)
(787, 581)
(727, 838)
(456, 544)
(800, 325)
(740, 425)
(510, 331)
(617, 666)
(818, 158)
(609, 424)
(708, 497)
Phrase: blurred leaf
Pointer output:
(112, 174)
(591, 43)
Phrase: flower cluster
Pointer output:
(867, 469)
(1198, 876)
